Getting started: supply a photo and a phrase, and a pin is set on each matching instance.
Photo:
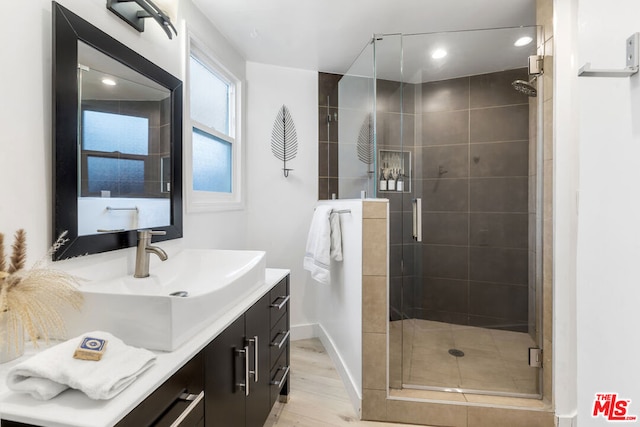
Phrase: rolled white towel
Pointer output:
(50, 372)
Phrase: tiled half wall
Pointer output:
(378, 403)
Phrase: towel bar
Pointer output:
(111, 208)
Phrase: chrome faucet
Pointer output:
(144, 249)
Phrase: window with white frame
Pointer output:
(214, 123)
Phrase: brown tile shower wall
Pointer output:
(470, 146)
(475, 153)
(327, 135)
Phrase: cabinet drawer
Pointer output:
(186, 413)
(279, 296)
(279, 339)
(279, 375)
(190, 379)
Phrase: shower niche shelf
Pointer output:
(396, 164)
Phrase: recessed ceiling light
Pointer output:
(523, 41)
(439, 53)
(108, 82)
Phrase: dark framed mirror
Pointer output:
(117, 141)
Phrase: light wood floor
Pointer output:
(317, 396)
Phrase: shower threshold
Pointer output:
(471, 391)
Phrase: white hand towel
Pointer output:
(52, 371)
(317, 255)
(336, 236)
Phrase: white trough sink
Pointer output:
(143, 312)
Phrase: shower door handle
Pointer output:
(417, 219)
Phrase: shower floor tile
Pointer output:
(493, 361)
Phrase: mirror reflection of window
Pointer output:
(124, 129)
(115, 148)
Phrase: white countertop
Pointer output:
(74, 408)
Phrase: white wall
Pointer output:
(603, 114)
(279, 208)
(340, 302)
(25, 118)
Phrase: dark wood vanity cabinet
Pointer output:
(280, 332)
(247, 365)
(233, 382)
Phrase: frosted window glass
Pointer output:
(120, 176)
(211, 163)
(209, 98)
(115, 132)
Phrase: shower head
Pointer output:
(526, 87)
(535, 70)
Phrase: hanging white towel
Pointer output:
(52, 371)
(318, 251)
(336, 236)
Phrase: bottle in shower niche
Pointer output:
(391, 182)
(383, 181)
(400, 182)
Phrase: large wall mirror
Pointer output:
(117, 141)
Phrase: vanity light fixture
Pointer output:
(134, 12)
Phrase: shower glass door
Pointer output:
(464, 292)
(355, 127)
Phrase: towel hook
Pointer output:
(632, 62)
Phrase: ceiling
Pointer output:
(328, 35)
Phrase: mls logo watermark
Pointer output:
(610, 407)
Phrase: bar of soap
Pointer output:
(90, 349)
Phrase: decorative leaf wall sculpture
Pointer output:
(365, 143)
(284, 141)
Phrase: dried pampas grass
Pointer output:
(34, 299)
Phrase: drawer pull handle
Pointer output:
(282, 341)
(188, 397)
(244, 353)
(284, 376)
(256, 355)
(284, 301)
(194, 399)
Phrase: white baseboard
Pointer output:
(303, 332)
(315, 330)
(352, 390)
(567, 421)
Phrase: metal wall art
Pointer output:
(284, 140)
(365, 143)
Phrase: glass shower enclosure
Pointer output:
(433, 123)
